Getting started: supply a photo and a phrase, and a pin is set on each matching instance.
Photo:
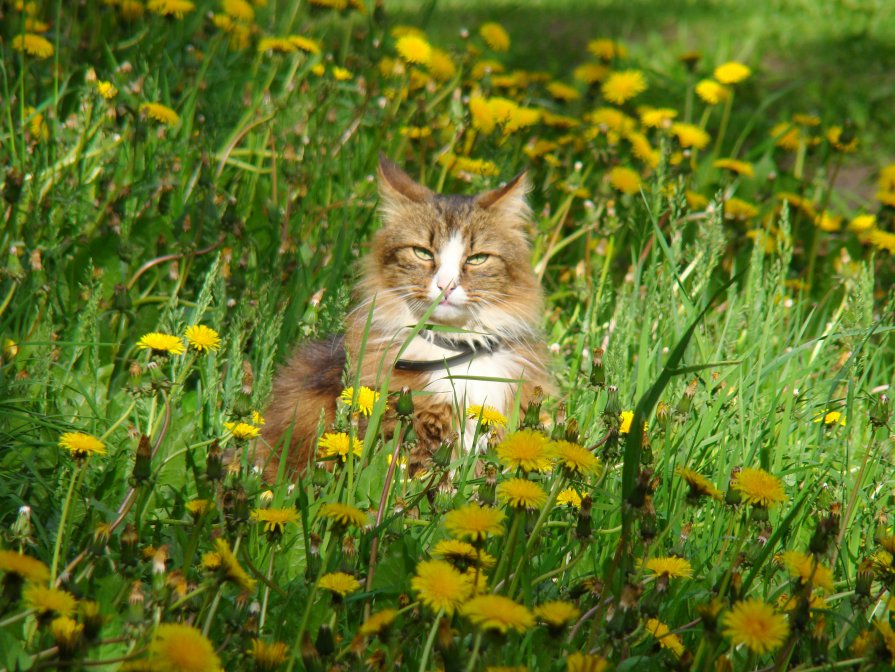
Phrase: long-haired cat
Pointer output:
(469, 257)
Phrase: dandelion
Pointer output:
(339, 583)
(161, 344)
(527, 450)
(231, 569)
(562, 91)
(627, 417)
(46, 600)
(735, 166)
(657, 117)
(202, 338)
(24, 566)
(861, 223)
(689, 135)
(732, 72)
(275, 520)
(586, 662)
(622, 86)
(414, 49)
(759, 488)
(489, 416)
(574, 459)
(82, 445)
(835, 137)
(496, 612)
(366, 399)
(830, 418)
(696, 201)
(461, 553)
(808, 570)
(106, 89)
(569, 497)
(755, 625)
(341, 74)
(344, 514)
(888, 635)
(590, 73)
(606, 49)
(131, 10)
(239, 10)
(699, 485)
(67, 633)
(669, 567)
(242, 431)
(480, 114)
(281, 45)
(624, 179)
(176, 8)
(666, 639)
(495, 36)
(521, 493)
(738, 209)
(440, 586)
(33, 45)
(712, 92)
(199, 507)
(177, 647)
(305, 44)
(268, 656)
(883, 240)
(474, 522)
(378, 622)
(339, 444)
(556, 613)
(258, 419)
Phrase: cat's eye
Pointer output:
(477, 259)
(423, 253)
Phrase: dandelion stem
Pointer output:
(118, 422)
(475, 652)
(16, 617)
(263, 617)
(60, 532)
(533, 537)
(430, 640)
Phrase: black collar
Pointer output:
(466, 352)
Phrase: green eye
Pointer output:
(477, 259)
(423, 253)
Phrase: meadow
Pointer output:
(188, 188)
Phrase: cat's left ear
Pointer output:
(509, 200)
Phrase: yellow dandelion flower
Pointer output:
(160, 344)
(339, 583)
(440, 586)
(886, 198)
(487, 415)
(416, 132)
(808, 570)
(538, 148)
(441, 65)
(556, 613)
(462, 553)
(755, 625)
(527, 450)
(275, 520)
(230, 567)
(339, 444)
(177, 647)
(886, 181)
(366, 399)
(575, 459)
(735, 166)
(176, 8)
(131, 10)
(414, 49)
(520, 493)
(46, 600)
(643, 150)
(669, 566)
(737, 208)
(711, 92)
(496, 612)
(480, 115)
(606, 49)
(33, 25)
(268, 656)
(23, 566)
(815, 603)
(563, 92)
(341, 74)
(787, 136)
(884, 240)
(239, 10)
(590, 73)
(831, 418)
(840, 144)
(699, 485)
(106, 89)
(474, 522)
(495, 36)
(861, 223)
(202, 338)
(344, 514)
(67, 633)
(759, 488)
(242, 430)
(627, 417)
(732, 72)
(305, 44)
(199, 507)
(33, 45)
(378, 622)
(82, 445)
(37, 125)
(622, 86)
(258, 419)
(331, 4)
(666, 638)
(657, 117)
(569, 497)
(624, 179)
(696, 201)
(888, 635)
(689, 135)
(827, 221)
(281, 45)
(586, 662)
(160, 113)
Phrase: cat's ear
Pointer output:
(395, 185)
(509, 200)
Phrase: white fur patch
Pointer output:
(450, 265)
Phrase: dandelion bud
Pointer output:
(583, 527)
(135, 602)
(824, 533)
(613, 408)
(10, 350)
(101, 535)
(864, 578)
(129, 539)
(572, 431)
(91, 618)
(638, 496)
(442, 456)
(21, 528)
(142, 468)
(662, 412)
(532, 419)
(733, 497)
(67, 634)
(404, 407)
(309, 654)
(248, 378)
(880, 411)
(135, 370)
(686, 401)
(597, 373)
(325, 643)
(349, 550)
(649, 527)
(214, 462)
(709, 613)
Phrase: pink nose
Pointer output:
(446, 286)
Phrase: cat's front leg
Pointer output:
(432, 425)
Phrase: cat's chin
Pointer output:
(450, 315)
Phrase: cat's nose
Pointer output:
(446, 285)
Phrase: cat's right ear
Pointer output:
(397, 186)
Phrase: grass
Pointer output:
(747, 335)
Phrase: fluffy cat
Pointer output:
(468, 254)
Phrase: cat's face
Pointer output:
(465, 257)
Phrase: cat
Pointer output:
(470, 255)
